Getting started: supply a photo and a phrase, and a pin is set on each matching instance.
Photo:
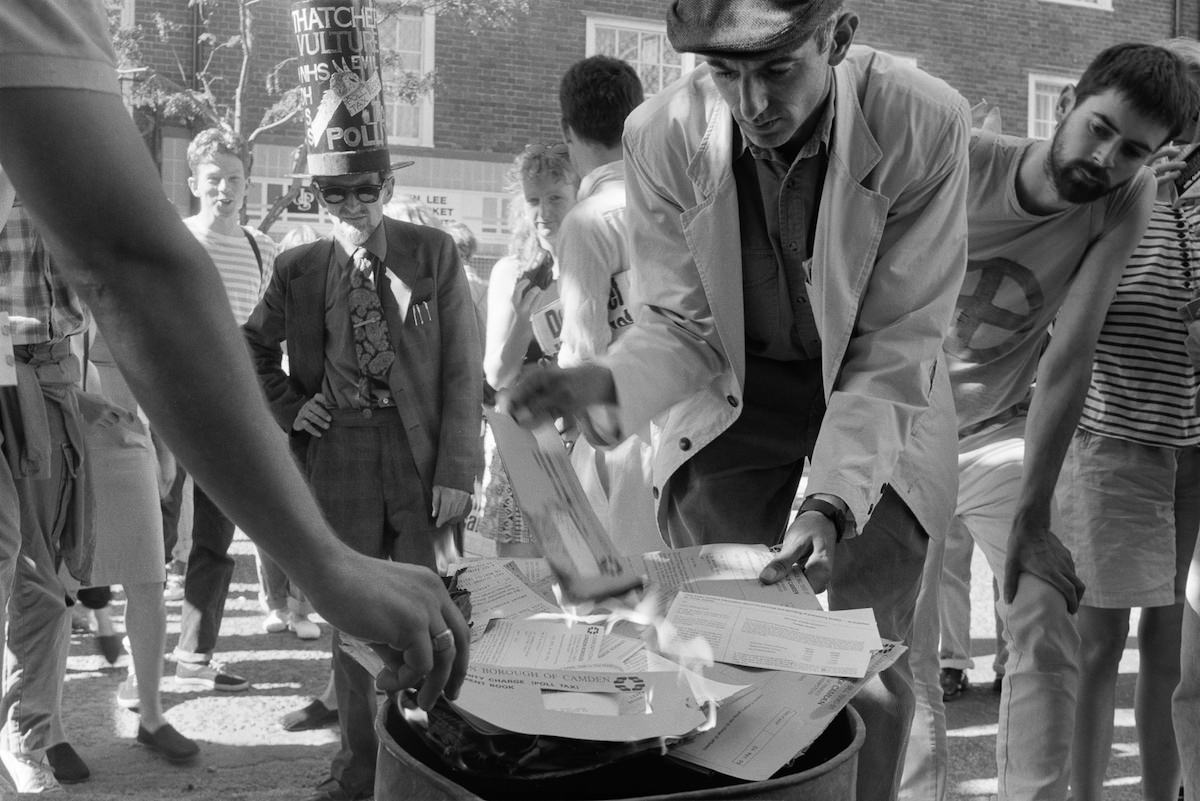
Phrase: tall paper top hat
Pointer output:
(339, 69)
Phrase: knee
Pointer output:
(1038, 622)
(1101, 649)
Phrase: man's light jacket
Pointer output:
(889, 255)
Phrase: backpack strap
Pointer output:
(257, 254)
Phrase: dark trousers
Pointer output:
(364, 478)
(881, 568)
(206, 583)
(740, 487)
(172, 505)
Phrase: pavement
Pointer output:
(246, 755)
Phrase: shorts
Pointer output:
(1116, 502)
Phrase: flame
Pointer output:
(691, 656)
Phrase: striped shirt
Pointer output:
(244, 282)
(1144, 386)
(40, 305)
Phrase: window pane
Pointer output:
(403, 36)
(651, 78)
(606, 41)
(627, 45)
(645, 47)
(406, 121)
(650, 48)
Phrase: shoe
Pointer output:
(274, 622)
(67, 765)
(207, 676)
(954, 683)
(110, 646)
(314, 715)
(332, 790)
(127, 694)
(175, 574)
(29, 773)
(304, 628)
(168, 742)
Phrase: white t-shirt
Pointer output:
(56, 43)
(1019, 269)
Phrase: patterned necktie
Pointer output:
(371, 343)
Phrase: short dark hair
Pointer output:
(1151, 78)
(218, 140)
(596, 95)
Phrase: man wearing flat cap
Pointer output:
(797, 234)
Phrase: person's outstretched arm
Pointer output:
(97, 200)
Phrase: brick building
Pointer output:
(497, 89)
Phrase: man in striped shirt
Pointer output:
(219, 161)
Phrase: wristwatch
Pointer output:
(835, 513)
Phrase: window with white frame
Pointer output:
(1100, 5)
(643, 43)
(1043, 97)
(408, 36)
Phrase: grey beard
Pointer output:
(349, 235)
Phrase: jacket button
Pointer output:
(732, 401)
(685, 444)
(654, 492)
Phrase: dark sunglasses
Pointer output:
(557, 149)
(366, 193)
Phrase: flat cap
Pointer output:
(746, 28)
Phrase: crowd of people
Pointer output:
(800, 298)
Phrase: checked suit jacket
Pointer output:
(436, 380)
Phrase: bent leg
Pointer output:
(1037, 702)
(881, 569)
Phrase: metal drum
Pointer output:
(407, 770)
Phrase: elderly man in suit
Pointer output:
(382, 402)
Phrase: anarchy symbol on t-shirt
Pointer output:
(997, 309)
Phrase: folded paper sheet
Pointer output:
(760, 731)
(776, 637)
(561, 520)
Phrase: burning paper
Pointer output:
(763, 729)
(498, 590)
(776, 637)
(542, 677)
(562, 521)
(549, 644)
(604, 706)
